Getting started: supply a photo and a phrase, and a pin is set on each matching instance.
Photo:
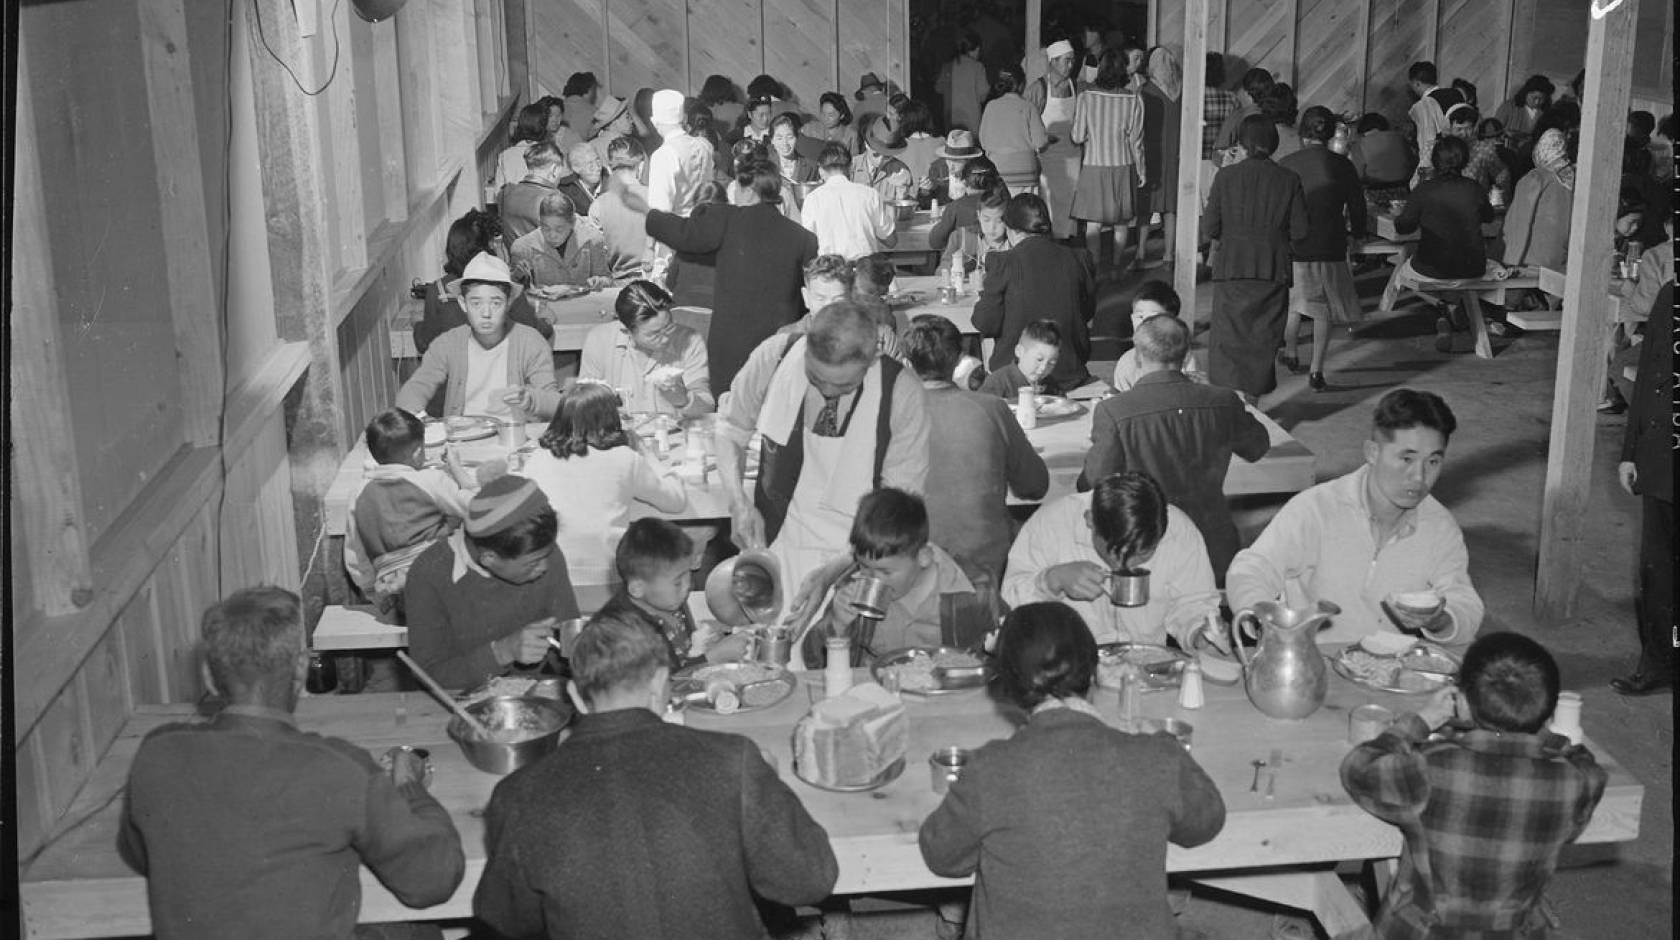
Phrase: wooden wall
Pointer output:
(812, 46)
(1352, 56)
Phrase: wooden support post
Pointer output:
(341, 164)
(44, 454)
(180, 183)
(1291, 30)
(1187, 235)
(1586, 320)
(1035, 23)
(1153, 30)
(1363, 56)
(1432, 29)
(418, 78)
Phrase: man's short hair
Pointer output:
(1256, 83)
(996, 198)
(556, 206)
(843, 333)
(1510, 682)
(1159, 292)
(1043, 331)
(933, 346)
(830, 268)
(889, 523)
(1258, 135)
(835, 156)
(1162, 340)
(1372, 121)
(1317, 123)
(650, 545)
(1128, 514)
(872, 275)
(641, 301)
(1423, 72)
(625, 152)
(542, 155)
(1449, 155)
(613, 653)
(1406, 408)
(532, 124)
(392, 436)
(760, 175)
(252, 636)
(1665, 126)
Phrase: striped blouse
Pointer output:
(1110, 125)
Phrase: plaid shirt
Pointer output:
(1484, 815)
(1217, 105)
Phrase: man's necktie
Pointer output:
(828, 419)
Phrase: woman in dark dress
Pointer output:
(1255, 210)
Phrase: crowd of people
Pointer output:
(882, 454)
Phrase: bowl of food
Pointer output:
(518, 731)
(904, 209)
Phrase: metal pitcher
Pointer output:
(1285, 677)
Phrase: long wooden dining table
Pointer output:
(1281, 841)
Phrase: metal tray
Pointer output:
(691, 680)
(1162, 665)
(1405, 681)
(1055, 408)
(883, 778)
(964, 679)
(473, 428)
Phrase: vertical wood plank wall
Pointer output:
(812, 46)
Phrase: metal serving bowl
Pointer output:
(545, 718)
(905, 209)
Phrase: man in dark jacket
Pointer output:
(1180, 432)
(1037, 279)
(1647, 470)
(519, 202)
(638, 828)
(761, 258)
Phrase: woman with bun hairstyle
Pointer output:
(1065, 825)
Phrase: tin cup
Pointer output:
(772, 645)
(872, 598)
(390, 757)
(1366, 722)
(947, 295)
(1128, 587)
(947, 765)
(567, 634)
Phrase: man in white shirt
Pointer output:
(657, 364)
(1429, 112)
(675, 171)
(849, 219)
(1068, 548)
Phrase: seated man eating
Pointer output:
(1068, 548)
(1359, 540)
(563, 251)
(657, 364)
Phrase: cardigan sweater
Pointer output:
(638, 828)
(977, 454)
(1065, 827)
(530, 363)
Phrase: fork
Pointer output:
(1275, 762)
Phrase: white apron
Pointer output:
(812, 535)
(1059, 163)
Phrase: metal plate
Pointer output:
(1403, 681)
(692, 679)
(1055, 407)
(1162, 666)
(969, 677)
(883, 778)
(469, 428)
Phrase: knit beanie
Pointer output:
(502, 504)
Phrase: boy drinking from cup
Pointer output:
(655, 561)
(896, 589)
(1036, 355)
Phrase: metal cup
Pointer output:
(1366, 722)
(567, 634)
(1128, 587)
(772, 645)
(1177, 727)
(947, 764)
(872, 598)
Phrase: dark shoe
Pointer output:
(1612, 406)
(1642, 683)
(1315, 381)
(1443, 335)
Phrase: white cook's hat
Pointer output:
(667, 107)
(1058, 48)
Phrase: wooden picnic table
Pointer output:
(1281, 848)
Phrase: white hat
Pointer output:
(667, 107)
(1058, 48)
(487, 267)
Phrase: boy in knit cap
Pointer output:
(489, 596)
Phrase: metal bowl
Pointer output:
(904, 209)
(545, 718)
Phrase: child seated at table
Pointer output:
(592, 469)
(1486, 810)
(655, 563)
(1036, 355)
(403, 507)
(1153, 299)
(932, 598)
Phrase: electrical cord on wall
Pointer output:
(331, 74)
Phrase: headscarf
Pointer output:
(1165, 73)
(1550, 153)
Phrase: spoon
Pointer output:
(1258, 763)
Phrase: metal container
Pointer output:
(904, 209)
(1285, 677)
(745, 589)
(872, 598)
(1177, 727)
(567, 634)
(1368, 721)
(549, 716)
(947, 765)
(771, 645)
(1128, 587)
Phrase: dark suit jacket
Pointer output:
(638, 828)
(1183, 434)
(761, 258)
(1256, 209)
(1648, 439)
(1039, 280)
(517, 207)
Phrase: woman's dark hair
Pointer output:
(1539, 83)
(967, 41)
(718, 89)
(839, 102)
(710, 193)
(1406, 408)
(469, 235)
(579, 84)
(1465, 89)
(1027, 213)
(1128, 515)
(914, 117)
(1372, 121)
(765, 87)
(532, 123)
(1111, 71)
(520, 539)
(1215, 70)
(980, 174)
(697, 118)
(1258, 136)
(1044, 651)
(639, 302)
(995, 198)
(1280, 105)
(642, 105)
(758, 172)
(1318, 123)
(1449, 155)
(1256, 83)
(587, 417)
(1510, 682)
(1009, 81)
(933, 346)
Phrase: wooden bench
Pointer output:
(1469, 292)
(356, 628)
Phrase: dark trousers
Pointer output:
(1656, 587)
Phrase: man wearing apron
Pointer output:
(837, 421)
(1054, 96)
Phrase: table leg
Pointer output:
(1318, 891)
(1478, 326)
(1391, 290)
